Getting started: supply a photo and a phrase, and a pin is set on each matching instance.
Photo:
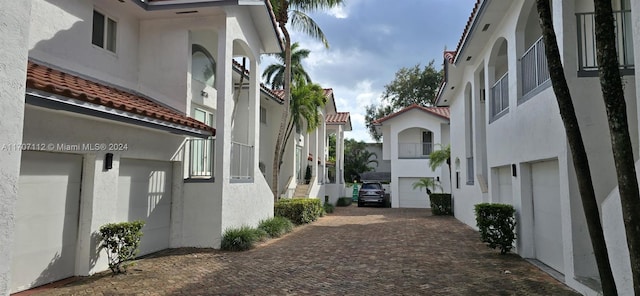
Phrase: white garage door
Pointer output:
(547, 214)
(409, 197)
(47, 213)
(144, 193)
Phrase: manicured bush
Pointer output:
(299, 210)
(121, 240)
(344, 202)
(497, 225)
(241, 239)
(328, 207)
(276, 226)
(440, 204)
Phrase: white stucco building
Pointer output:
(507, 139)
(134, 110)
(304, 149)
(408, 137)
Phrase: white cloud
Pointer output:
(339, 12)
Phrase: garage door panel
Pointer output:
(144, 193)
(47, 214)
(547, 214)
(409, 197)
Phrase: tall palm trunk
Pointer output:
(282, 22)
(613, 95)
(576, 144)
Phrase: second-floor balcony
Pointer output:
(414, 150)
(587, 53)
(241, 161)
(534, 69)
(200, 162)
(500, 96)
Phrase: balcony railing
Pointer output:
(200, 158)
(470, 171)
(241, 161)
(500, 95)
(587, 57)
(414, 150)
(534, 67)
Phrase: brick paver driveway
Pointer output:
(355, 251)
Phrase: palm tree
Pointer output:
(274, 73)
(576, 144)
(439, 157)
(306, 99)
(427, 183)
(615, 105)
(299, 21)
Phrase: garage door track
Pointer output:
(355, 251)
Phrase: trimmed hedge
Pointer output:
(299, 210)
(328, 207)
(441, 204)
(121, 241)
(276, 226)
(344, 202)
(497, 225)
(241, 239)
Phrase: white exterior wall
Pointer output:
(98, 204)
(153, 57)
(405, 128)
(61, 35)
(532, 131)
(14, 32)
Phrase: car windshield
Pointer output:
(370, 186)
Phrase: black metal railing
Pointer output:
(587, 57)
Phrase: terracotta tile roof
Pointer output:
(442, 112)
(60, 83)
(328, 92)
(339, 118)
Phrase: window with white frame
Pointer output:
(105, 31)
(263, 115)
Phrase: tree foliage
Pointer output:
(357, 158)
(414, 85)
(274, 73)
(302, 22)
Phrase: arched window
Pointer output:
(203, 66)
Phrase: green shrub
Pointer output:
(241, 239)
(440, 204)
(276, 226)
(344, 202)
(328, 207)
(497, 225)
(299, 210)
(121, 240)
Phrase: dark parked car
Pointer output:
(371, 193)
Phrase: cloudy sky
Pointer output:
(371, 39)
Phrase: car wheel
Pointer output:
(360, 204)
